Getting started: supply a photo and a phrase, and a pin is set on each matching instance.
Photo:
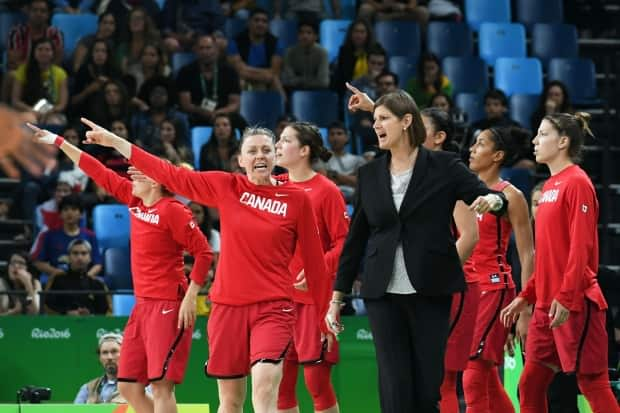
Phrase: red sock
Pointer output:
(475, 386)
(449, 401)
(597, 390)
(533, 386)
(498, 398)
(319, 384)
(287, 398)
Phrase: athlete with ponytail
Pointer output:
(567, 330)
(300, 145)
(482, 386)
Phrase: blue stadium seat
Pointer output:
(73, 27)
(7, 21)
(285, 31)
(522, 107)
(449, 39)
(530, 12)
(261, 107)
(405, 67)
(501, 40)
(111, 226)
(480, 11)
(117, 269)
(331, 36)
(579, 76)
(200, 137)
(472, 104)
(233, 26)
(518, 75)
(317, 106)
(467, 74)
(180, 59)
(398, 38)
(122, 304)
(554, 40)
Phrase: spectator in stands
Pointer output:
(21, 38)
(256, 54)
(496, 109)
(122, 9)
(301, 10)
(106, 30)
(47, 214)
(172, 144)
(104, 389)
(76, 278)
(238, 8)
(20, 278)
(342, 166)
(445, 10)
(40, 86)
(352, 60)
(305, 64)
(115, 104)
(139, 32)
(73, 7)
(88, 84)
(159, 96)
(207, 86)
(377, 63)
(49, 251)
(153, 64)
(428, 81)
(217, 153)
(5, 208)
(182, 20)
(444, 102)
(554, 99)
(394, 10)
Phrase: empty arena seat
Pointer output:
(74, 27)
(398, 37)
(501, 40)
(467, 74)
(317, 106)
(201, 135)
(554, 40)
(261, 107)
(449, 39)
(111, 226)
(117, 268)
(518, 75)
(481, 11)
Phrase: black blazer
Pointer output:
(423, 225)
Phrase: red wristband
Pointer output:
(59, 140)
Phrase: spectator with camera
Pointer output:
(342, 166)
(104, 389)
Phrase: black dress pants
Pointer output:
(410, 333)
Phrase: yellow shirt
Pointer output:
(52, 79)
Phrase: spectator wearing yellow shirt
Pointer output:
(429, 81)
(40, 86)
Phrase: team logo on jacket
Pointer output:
(273, 206)
(144, 216)
(584, 208)
(550, 195)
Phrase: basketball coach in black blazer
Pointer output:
(401, 229)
